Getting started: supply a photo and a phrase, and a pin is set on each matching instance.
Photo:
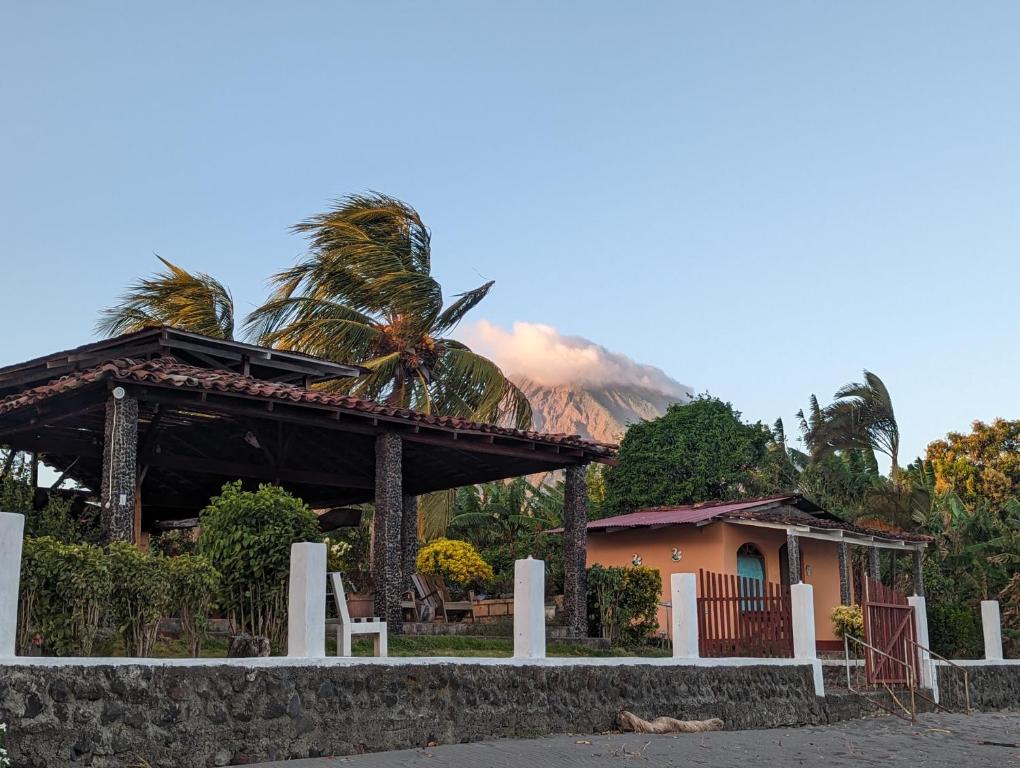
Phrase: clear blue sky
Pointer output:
(760, 198)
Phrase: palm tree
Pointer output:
(175, 298)
(366, 294)
(861, 417)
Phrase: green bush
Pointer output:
(247, 537)
(954, 630)
(623, 603)
(192, 583)
(64, 589)
(174, 543)
(140, 595)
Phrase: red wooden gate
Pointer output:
(738, 616)
(889, 628)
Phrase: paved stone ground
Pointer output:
(936, 741)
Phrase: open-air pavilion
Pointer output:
(155, 422)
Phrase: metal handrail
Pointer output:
(934, 672)
(911, 684)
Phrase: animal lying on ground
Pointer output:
(628, 721)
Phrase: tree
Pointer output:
(176, 298)
(693, 453)
(984, 464)
(366, 294)
(860, 418)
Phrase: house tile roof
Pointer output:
(779, 509)
(167, 371)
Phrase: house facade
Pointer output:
(779, 540)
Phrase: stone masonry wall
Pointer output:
(231, 715)
(992, 687)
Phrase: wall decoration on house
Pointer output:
(677, 555)
(635, 560)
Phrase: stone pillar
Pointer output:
(575, 551)
(684, 595)
(793, 557)
(120, 454)
(529, 609)
(386, 528)
(874, 563)
(12, 531)
(306, 605)
(408, 540)
(802, 604)
(844, 573)
(918, 571)
(929, 679)
(991, 624)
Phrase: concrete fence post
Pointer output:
(924, 662)
(306, 609)
(991, 623)
(802, 603)
(12, 529)
(684, 595)
(529, 609)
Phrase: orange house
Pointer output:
(753, 539)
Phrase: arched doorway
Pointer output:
(751, 571)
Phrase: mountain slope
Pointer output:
(600, 413)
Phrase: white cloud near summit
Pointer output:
(549, 357)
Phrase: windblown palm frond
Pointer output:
(860, 418)
(365, 294)
(176, 298)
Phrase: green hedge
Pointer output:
(623, 603)
(954, 630)
(69, 590)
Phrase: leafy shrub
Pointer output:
(338, 554)
(174, 543)
(456, 561)
(247, 537)
(140, 595)
(955, 630)
(192, 583)
(847, 620)
(5, 761)
(64, 589)
(623, 603)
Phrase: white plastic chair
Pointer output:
(347, 627)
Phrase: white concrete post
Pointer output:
(924, 663)
(991, 623)
(306, 616)
(684, 592)
(802, 602)
(12, 529)
(529, 609)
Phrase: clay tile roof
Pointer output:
(169, 372)
(772, 509)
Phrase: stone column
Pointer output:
(120, 455)
(793, 557)
(386, 528)
(684, 594)
(844, 573)
(991, 625)
(12, 531)
(306, 601)
(529, 609)
(919, 571)
(575, 538)
(874, 563)
(408, 540)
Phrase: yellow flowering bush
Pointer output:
(456, 561)
(847, 620)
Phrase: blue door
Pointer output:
(752, 568)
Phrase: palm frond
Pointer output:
(176, 298)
